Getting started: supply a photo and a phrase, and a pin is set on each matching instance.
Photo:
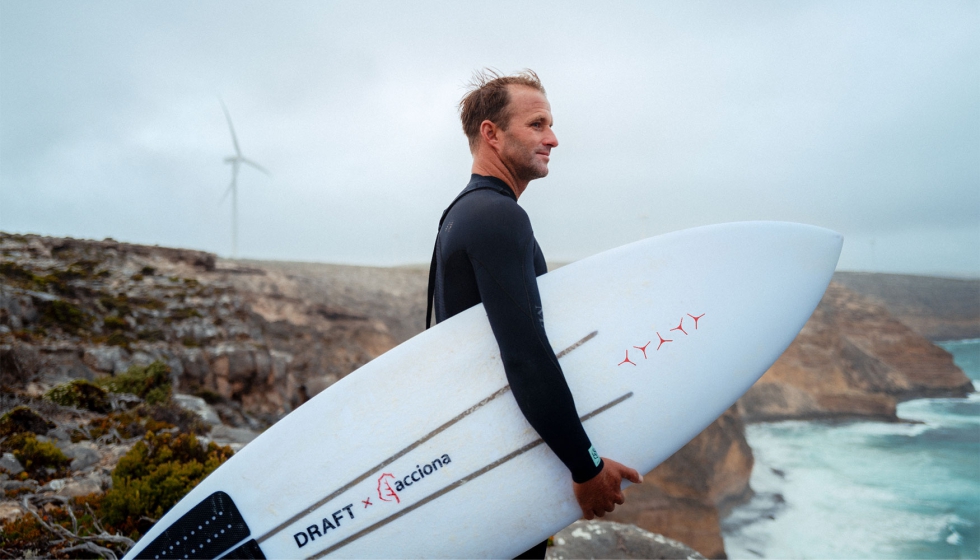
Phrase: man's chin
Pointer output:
(533, 172)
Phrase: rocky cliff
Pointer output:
(79, 309)
(852, 359)
(686, 497)
(936, 308)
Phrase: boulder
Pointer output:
(10, 464)
(198, 406)
(82, 486)
(10, 510)
(108, 359)
(604, 539)
(83, 455)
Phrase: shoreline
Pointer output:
(869, 465)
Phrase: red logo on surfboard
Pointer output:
(385, 491)
(662, 340)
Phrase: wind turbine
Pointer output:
(236, 161)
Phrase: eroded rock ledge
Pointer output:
(74, 308)
(852, 359)
(604, 539)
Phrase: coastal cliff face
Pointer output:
(688, 494)
(852, 359)
(82, 309)
(936, 308)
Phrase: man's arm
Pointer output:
(506, 279)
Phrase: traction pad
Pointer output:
(206, 531)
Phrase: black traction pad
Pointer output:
(206, 531)
(248, 551)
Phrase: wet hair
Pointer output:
(487, 99)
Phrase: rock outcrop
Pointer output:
(687, 495)
(936, 308)
(74, 309)
(604, 539)
(852, 359)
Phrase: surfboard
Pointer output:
(423, 452)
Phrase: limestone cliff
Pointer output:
(81, 309)
(686, 496)
(852, 359)
(936, 308)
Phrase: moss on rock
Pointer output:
(22, 419)
(80, 393)
(150, 383)
(64, 315)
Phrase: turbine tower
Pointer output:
(236, 161)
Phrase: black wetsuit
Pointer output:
(486, 252)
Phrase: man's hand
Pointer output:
(600, 495)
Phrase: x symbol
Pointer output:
(367, 502)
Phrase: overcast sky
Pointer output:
(859, 116)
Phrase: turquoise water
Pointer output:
(868, 489)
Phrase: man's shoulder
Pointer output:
(485, 220)
(487, 203)
(489, 211)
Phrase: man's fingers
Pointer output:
(632, 476)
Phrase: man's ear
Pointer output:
(488, 131)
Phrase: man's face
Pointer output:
(526, 144)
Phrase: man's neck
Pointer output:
(498, 170)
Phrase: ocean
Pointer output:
(868, 489)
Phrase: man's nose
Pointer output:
(551, 140)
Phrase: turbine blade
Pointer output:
(231, 127)
(234, 180)
(257, 166)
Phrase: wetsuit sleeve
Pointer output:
(508, 286)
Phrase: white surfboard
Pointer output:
(424, 453)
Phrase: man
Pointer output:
(486, 252)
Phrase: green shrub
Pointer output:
(119, 303)
(35, 455)
(155, 474)
(115, 323)
(22, 419)
(80, 393)
(142, 419)
(152, 335)
(58, 313)
(17, 274)
(118, 338)
(150, 383)
(184, 313)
